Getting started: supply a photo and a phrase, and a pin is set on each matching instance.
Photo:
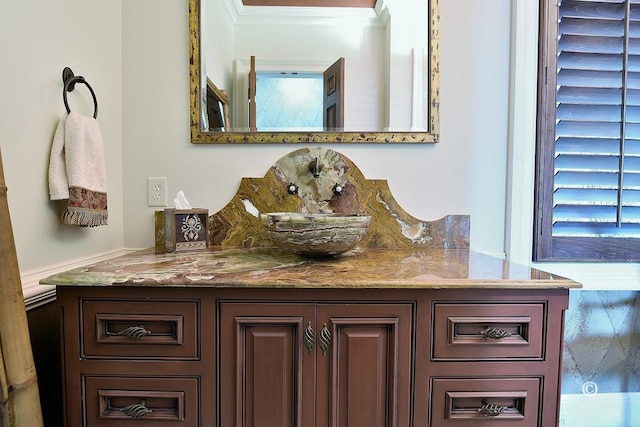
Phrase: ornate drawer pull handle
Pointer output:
(495, 333)
(135, 332)
(490, 409)
(325, 339)
(136, 410)
(309, 337)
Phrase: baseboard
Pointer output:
(36, 294)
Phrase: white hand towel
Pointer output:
(77, 171)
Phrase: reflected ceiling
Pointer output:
(311, 3)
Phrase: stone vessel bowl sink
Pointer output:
(316, 234)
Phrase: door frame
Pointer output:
(241, 81)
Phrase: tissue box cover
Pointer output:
(185, 229)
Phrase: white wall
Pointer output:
(135, 56)
(463, 174)
(405, 48)
(38, 38)
(218, 42)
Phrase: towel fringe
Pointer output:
(84, 217)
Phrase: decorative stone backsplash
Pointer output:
(237, 224)
(320, 180)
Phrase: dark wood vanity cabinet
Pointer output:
(495, 357)
(137, 357)
(159, 356)
(306, 364)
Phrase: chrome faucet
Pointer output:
(315, 167)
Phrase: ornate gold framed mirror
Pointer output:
(417, 114)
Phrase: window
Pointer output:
(588, 132)
(289, 101)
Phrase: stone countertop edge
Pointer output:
(271, 268)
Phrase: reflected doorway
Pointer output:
(289, 100)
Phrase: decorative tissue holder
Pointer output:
(185, 229)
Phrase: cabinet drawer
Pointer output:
(484, 331)
(140, 401)
(149, 329)
(474, 402)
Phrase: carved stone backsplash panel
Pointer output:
(321, 180)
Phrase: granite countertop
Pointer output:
(272, 268)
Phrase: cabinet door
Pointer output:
(266, 371)
(364, 370)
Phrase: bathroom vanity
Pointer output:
(411, 328)
(256, 337)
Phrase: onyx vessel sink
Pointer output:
(315, 234)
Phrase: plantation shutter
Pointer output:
(592, 175)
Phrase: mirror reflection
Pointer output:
(314, 74)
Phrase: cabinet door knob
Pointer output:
(325, 339)
(309, 337)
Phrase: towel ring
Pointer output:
(70, 81)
